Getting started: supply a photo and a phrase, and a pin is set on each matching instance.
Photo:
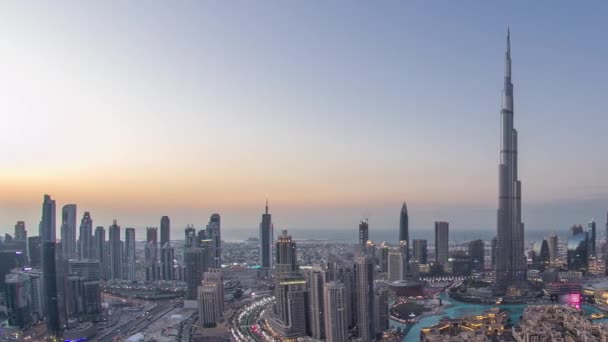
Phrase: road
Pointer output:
(251, 319)
(131, 325)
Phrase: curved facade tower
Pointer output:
(510, 259)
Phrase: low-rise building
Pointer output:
(557, 323)
(491, 324)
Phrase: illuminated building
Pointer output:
(472, 328)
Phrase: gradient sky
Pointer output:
(333, 110)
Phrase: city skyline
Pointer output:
(200, 150)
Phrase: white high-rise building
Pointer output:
(335, 298)
(395, 264)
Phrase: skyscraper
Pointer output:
(266, 239)
(165, 230)
(442, 238)
(207, 305)
(286, 255)
(196, 261)
(576, 229)
(130, 254)
(363, 233)
(100, 251)
(477, 254)
(190, 236)
(215, 275)
(396, 265)
(364, 292)
(19, 300)
(384, 251)
(510, 259)
(316, 282)
(20, 240)
(291, 306)
(335, 299)
(404, 224)
(20, 232)
(211, 298)
(541, 254)
(578, 252)
(166, 251)
(49, 273)
(214, 234)
(420, 251)
(68, 231)
(381, 309)
(86, 246)
(493, 248)
(592, 237)
(48, 222)
(167, 255)
(34, 245)
(151, 253)
(290, 316)
(115, 252)
(553, 242)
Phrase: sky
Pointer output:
(334, 111)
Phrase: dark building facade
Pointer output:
(442, 238)
(165, 230)
(51, 282)
(578, 254)
(420, 251)
(477, 253)
(363, 233)
(266, 239)
(404, 224)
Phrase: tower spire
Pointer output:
(267, 206)
(508, 41)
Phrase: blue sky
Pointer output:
(138, 109)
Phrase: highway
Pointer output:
(131, 325)
(249, 317)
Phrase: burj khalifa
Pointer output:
(510, 259)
